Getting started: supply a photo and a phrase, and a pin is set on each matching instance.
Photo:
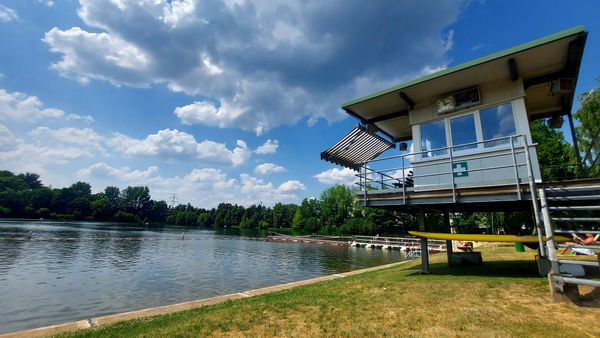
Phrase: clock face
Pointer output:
(445, 104)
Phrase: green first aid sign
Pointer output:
(460, 169)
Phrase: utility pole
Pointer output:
(173, 199)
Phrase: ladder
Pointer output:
(578, 207)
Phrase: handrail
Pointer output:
(510, 146)
(442, 148)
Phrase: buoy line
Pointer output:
(31, 238)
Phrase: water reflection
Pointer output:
(125, 253)
(80, 270)
(10, 251)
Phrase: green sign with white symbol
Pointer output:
(460, 169)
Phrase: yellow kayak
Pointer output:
(484, 238)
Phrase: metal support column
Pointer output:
(575, 143)
(424, 245)
(555, 283)
(448, 242)
(534, 200)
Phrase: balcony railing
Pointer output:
(398, 172)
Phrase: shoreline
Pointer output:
(94, 322)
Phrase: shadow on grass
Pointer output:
(504, 268)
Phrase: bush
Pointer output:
(4, 211)
(125, 217)
(358, 226)
(43, 212)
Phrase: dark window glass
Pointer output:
(497, 122)
(463, 131)
(433, 136)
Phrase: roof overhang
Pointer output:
(357, 147)
(537, 63)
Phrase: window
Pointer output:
(463, 131)
(497, 122)
(433, 136)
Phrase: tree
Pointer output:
(102, 209)
(159, 211)
(81, 189)
(113, 195)
(554, 152)
(136, 200)
(588, 130)
(32, 180)
(338, 204)
(9, 180)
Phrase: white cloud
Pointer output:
(6, 136)
(42, 159)
(258, 64)
(85, 118)
(269, 147)
(268, 168)
(87, 140)
(292, 185)
(207, 113)
(204, 187)
(123, 61)
(21, 107)
(173, 143)
(337, 176)
(48, 3)
(102, 171)
(7, 14)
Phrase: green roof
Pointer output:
(472, 63)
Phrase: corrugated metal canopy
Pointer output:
(356, 147)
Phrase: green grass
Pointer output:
(503, 298)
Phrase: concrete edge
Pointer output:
(166, 309)
(49, 330)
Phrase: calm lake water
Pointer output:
(59, 271)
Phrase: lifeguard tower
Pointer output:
(471, 143)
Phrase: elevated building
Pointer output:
(471, 146)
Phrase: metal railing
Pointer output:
(395, 177)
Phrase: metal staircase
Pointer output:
(568, 210)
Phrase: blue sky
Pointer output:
(232, 100)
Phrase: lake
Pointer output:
(53, 272)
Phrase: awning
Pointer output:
(356, 147)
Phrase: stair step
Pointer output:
(584, 263)
(554, 190)
(576, 219)
(565, 231)
(579, 246)
(581, 281)
(574, 198)
(576, 207)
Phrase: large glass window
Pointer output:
(497, 122)
(463, 132)
(433, 136)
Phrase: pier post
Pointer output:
(448, 242)
(424, 246)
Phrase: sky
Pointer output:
(229, 100)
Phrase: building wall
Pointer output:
(438, 168)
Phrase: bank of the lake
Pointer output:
(55, 272)
(503, 298)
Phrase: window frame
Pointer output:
(478, 133)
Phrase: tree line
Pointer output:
(335, 212)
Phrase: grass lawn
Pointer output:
(505, 297)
